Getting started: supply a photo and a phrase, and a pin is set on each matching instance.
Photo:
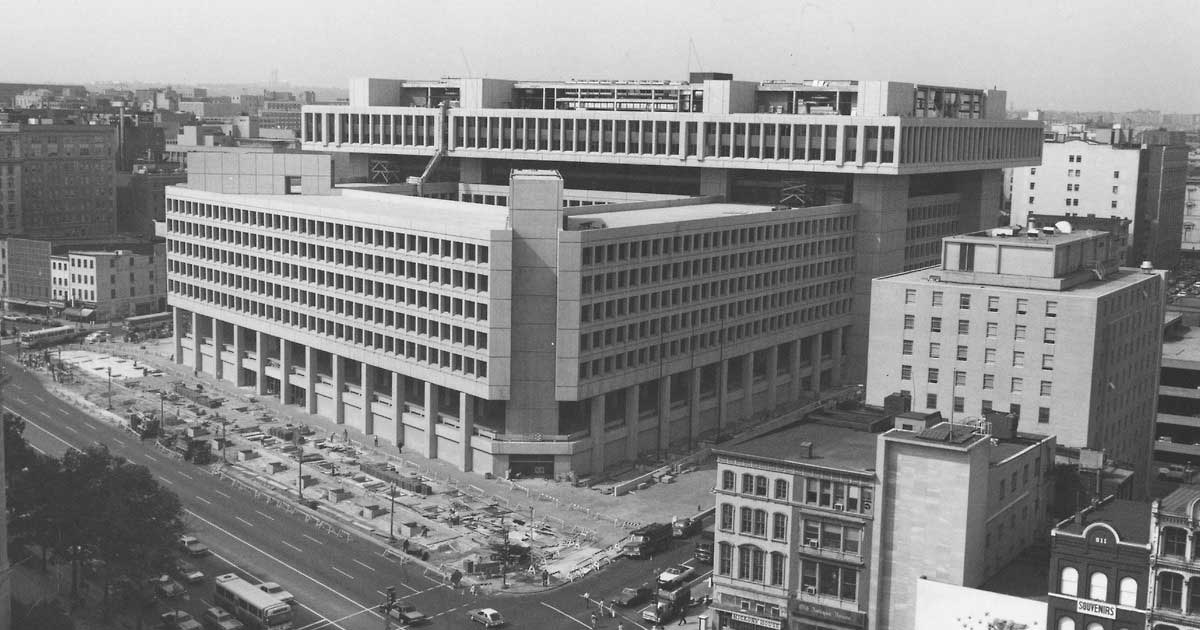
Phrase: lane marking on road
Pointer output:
(34, 447)
(120, 441)
(559, 611)
(183, 474)
(41, 428)
(322, 619)
(265, 515)
(318, 624)
(166, 481)
(39, 398)
(244, 521)
(70, 428)
(223, 494)
(45, 415)
(292, 546)
(363, 564)
(341, 571)
(151, 457)
(459, 607)
(20, 400)
(200, 498)
(91, 426)
(312, 539)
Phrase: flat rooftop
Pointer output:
(1115, 281)
(963, 437)
(832, 447)
(1131, 519)
(672, 214)
(1018, 236)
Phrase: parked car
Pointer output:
(188, 572)
(1173, 472)
(179, 620)
(408, 614)
(166, 587)
(219, 619)
(278, 591)
(193, 546)
(675, 576)
(489, 617)
(634, 596)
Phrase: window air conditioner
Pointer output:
(839, 507)
(811, 590)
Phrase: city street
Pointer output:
(336, 581)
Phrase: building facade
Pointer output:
(918, 162)
(955, 504)
(793, 530)
(1044, 325)
(57, 181)
(25, 273)
(141, 198)
(1175, 561)
(531, 339)
(116, 284)
(1100, 567)
(1142, 183)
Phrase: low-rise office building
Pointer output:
(530, 338)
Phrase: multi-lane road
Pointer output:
(337, 582)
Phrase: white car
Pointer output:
(489, 617)
(275, 589)
(674, 577)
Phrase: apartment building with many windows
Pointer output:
(918, 162)
(794, 510)
(530, 339)
(1041, 324)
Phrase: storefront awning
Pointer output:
(78, 313)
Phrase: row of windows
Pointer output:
(992, 329)
(1098, 590)
(1021, 306)
(326, 256)
(1016, 383)
(617, 280)
(672, 246)
(753, 522)
(754, 484)
(398, 241)
(752, 564)
(962, 353)
(434, 357)
(960, 406)
(713, 339)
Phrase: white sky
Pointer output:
(1055, 54)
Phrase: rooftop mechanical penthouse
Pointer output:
(919, 162)
(529, 338)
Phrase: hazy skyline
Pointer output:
(1097, 55)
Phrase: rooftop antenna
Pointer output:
(465, 62)
(692, 51)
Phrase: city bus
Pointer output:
(47, 336)
(253, 607)
(139, 323)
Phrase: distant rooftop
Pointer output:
(1178, 501)
(1131, 519)
(651, 215)
(964, 437)
(832, 447)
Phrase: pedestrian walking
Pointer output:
(545, 578)
(620, 626)
(376, 440)
(594, 620)
(587, 602)
(682, 618)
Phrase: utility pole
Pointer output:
(299, 467)
(392, 515)
(109, 369)
(5, 576)
(504, 560)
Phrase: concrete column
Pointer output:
(310, 378)
(835, 370)
(239, 350)
(285, 366)
(694, 412)
(796, 360)
(218, 365)
(722, 393)
(466, 418)
(664, 413)
(260, 378)
(339, 386)
(178, 328)
(817, 363)
(700, 138)
(747, 385)
(597, 430)
(398, 406)
(772, 366)
(197, 359)
(431, 420)
(634, 426)
(368, 393)
(337, 130)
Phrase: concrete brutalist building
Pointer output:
(533, 339)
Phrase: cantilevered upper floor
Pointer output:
(711, 121)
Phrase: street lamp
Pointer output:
(392, 515)
(109, 370)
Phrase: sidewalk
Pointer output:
(575, 530)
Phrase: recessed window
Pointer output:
(1043, 415)
(937, 298)
(989, 381)
(933, 375)
(1022, 306)
(906, 346)
(906, 372)
(1068, 581)
(993, 303)
(910, 296)
(935, 324)
(1017, 385)
(910, 322)
(935, 350)
(1045, 389)
(964, 327)
(931, 401)
(959, 404)
(964, 300)
(960, 378)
